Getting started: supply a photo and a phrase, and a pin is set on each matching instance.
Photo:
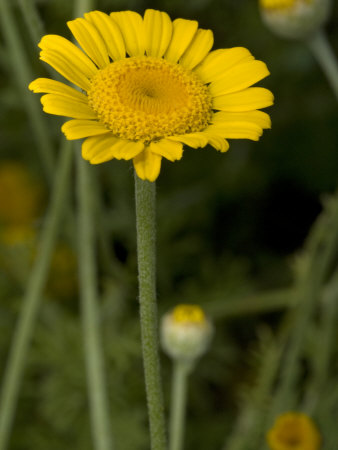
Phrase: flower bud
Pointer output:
(186, 332)
(294, 18)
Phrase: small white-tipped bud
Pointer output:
(186, 332)
(295, 19)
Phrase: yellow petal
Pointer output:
(237, 130)
(99, 149)
(125, 149)
(48, 86)
(147, 165)
(91, 42)
(78, 129)
(260, 118)
(219, 61)
(247, 100)
(169, 149)
(97, 146)
(239, 77)
(64, 106)
(194, 140)
(132, 29)
(63, 66)
(110, 33)
(67, 59)
(158, 31)
(218, 142)
(198, 49)
(183, 33)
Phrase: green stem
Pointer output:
(96, 382)
(32, 19)
(323, 246)
(145, 224)
(24, 76)
(31, 302)
(178, 404)
(325, 338)
(83, 6)
(251, 422)
(254, 304)
(322, 51)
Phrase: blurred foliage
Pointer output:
(231, 233)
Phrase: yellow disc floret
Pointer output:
(188, 313)
(144, 98)
(280, 4)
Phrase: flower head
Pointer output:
(150, 85)
(294, 18)
(186, 332)
(294, 431)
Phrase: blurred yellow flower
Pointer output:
(150, 85)
(294, 431)
(20, 194)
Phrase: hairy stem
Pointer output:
(145, 225)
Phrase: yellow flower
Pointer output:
(150, 85)
(186, 332)
(20, 194)
(294, 431)
(294, 18)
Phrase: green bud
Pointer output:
(186, 332)
(295, 19)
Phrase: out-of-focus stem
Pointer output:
(323, 52)
(31, 302)
(23, 74)
(178, 404)
(96, 382)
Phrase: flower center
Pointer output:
(145, 98)
(281, 4)
(188, 314)
(291, 435)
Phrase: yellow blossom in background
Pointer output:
(294, 18)
(20, 194)
(148, 86)
(294, 431)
